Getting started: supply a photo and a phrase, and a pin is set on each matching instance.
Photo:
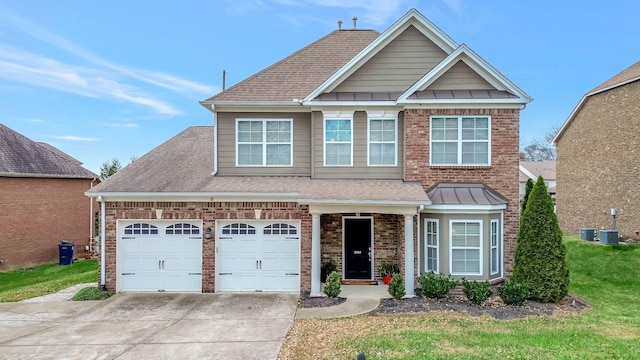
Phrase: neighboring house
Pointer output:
(42, 201)
(598, 148)
(533, 169)
(361, 147)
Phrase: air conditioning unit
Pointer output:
(608, 237)
(588, 234)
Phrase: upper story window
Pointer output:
(460, 140)
(264, 142)
(383, 140)
(338, 139)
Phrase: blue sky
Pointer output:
(104, 79)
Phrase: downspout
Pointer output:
(215, 143)
(103, 229)
(91, 218)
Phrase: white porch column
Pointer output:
(315, 255)
(408, 255)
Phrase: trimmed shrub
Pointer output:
(91, 293)
(513, 292)
(477, 291)
(332, 285)
(396, 287)
(540, 254)
(436, 285)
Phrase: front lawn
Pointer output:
(604, 276)
(16, 285)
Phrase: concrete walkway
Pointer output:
(62, 295)
(361, 299)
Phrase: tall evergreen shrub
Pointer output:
(527, 190)
(540, 254)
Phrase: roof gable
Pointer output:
(465, 61)
(626, 76)
(413, 18)
(22, 157)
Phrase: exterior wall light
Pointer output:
(207, 233)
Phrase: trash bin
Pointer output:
(66, 252)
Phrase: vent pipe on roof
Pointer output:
(355, 19)
(339, 24)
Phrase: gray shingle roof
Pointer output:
(22, 157)
(301, 72)
(465, 194)
(184, 164)
(630, 73)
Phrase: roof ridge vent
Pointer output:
(339, 24)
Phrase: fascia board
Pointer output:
(412, 17)
(363, 202)
(260, 107)
(191, 196)
(467, 104)
(569, 120)
(527, 172)
(317, 105)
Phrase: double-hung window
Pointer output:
(431, 244)
(495, 247)
(383, 141)
(264, 142)
(338, 141)
(460, 140)
(466, 251)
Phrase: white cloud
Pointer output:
(374, 12)
(74, 138)
(122, 125)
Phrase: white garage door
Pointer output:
(159, 255)
(258, 256)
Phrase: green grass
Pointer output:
(91, 293)
(16, 285)
(606, 277)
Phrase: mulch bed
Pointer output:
(494, 306)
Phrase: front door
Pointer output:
(357, 247)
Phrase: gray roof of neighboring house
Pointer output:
(22, 157)
(465, 194)
(546, 169)
(184, 164)
(302, 72)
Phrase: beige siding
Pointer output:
(359, 170)
(396, 67)
(460, 77)
(226, 123)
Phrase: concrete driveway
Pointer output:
(148, 326)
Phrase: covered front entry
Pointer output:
(258, 255)
(358, 248)
(159, 255)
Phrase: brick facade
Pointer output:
(597, 164)
(36, 213)
(502, 175)
(208, 212)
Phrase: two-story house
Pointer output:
(362, 147)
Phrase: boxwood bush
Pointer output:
(332, 285)
(477, 291)
(436, 285)
(396, 287)
(513, 292)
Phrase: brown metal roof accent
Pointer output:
(626, 75)
(185, 162)
(22, 157)
(297, 75)
(461, 94)
(465, 194)
(359, 96)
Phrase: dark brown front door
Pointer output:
(357, 247)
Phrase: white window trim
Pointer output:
(459, 141)
(427, 246)
(264, 142)
(336, 115)
(451, 247)
(497, 247)
(382, 116)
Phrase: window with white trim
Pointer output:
(460, 140)
(466, 250)
(383, 141)
(338, 141)
(264, 142)
(431, 234)
(495, 247)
